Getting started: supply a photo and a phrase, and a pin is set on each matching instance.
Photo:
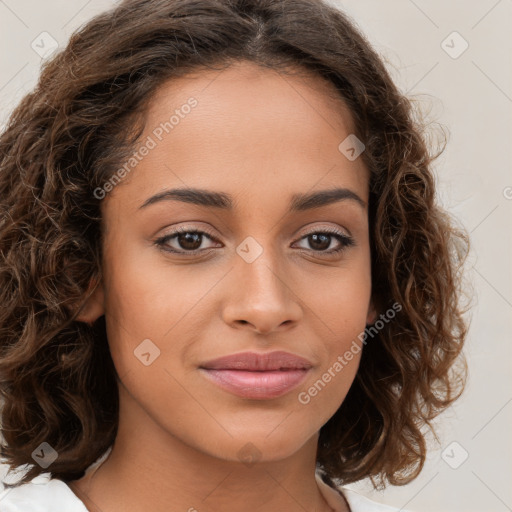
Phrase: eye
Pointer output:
(320, 241)
(188, 241)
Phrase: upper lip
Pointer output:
(254, 361)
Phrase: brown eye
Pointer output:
(189, 241)
(320, 241)
(185, 241)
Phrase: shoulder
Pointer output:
(41, 494)
(337, 495)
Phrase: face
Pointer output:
(257, 267)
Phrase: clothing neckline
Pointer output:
(333, 496)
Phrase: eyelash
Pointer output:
(345, 241)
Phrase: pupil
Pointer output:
(190, 241)
(321, 239)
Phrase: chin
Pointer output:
(256, 447)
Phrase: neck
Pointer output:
(150, 469)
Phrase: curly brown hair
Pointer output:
(66, 138)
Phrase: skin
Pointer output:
(260, 136)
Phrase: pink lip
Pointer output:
(257, 376)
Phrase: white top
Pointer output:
(45, 494)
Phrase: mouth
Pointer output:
(257, 376)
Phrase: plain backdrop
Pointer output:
(454, 58)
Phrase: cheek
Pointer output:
(342, 345)
(149, 339)
(156, 309)
(339, 298)
(339, 311)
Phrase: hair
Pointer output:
(58, 383)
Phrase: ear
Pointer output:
(372, 314)
(95, 305)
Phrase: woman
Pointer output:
(227, 283)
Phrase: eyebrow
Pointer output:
(223, 201)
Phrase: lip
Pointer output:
(257, 376)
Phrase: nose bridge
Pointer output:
(259, 268)
(262, 296)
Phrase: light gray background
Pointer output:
(470, 95)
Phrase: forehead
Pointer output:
(259, 98)
(249, 131)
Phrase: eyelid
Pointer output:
(331, 229)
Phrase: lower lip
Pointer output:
(257, 385)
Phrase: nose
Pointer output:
(261, 297)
